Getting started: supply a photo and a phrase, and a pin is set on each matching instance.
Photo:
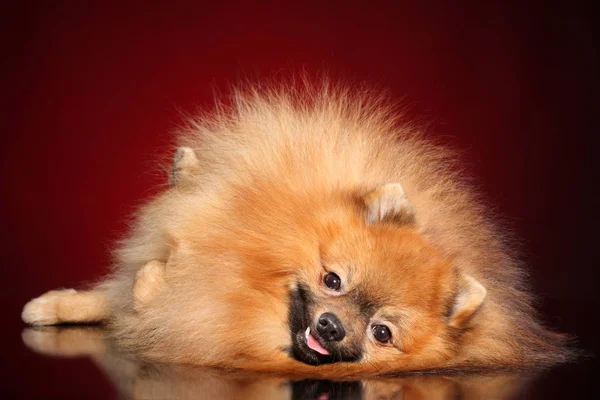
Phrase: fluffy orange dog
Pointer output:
(308, 232)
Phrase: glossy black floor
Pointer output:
(79, 362)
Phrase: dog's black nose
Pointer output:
(330, 327)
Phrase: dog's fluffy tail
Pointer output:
(67, 306)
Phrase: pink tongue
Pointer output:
(315, 345)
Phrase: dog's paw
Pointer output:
(43, 310)
(149, 281)
(185, 165)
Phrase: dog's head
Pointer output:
(381, 290)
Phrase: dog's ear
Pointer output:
(467, 300)
(389, 203)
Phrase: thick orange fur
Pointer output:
(284, 185)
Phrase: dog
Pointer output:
(311, 231)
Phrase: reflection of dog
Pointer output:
(136, 379)
(309, 229)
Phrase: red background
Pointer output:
(91, 92)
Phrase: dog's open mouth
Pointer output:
(310, 348)
(307, 345)
(313, 343)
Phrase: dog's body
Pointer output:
(308, 229)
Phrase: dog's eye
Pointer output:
(332, 281)
(381, 333)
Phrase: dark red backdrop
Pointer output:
(91, 93)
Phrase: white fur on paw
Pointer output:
(43, 310)
(184, 157)
(149, 281)
(185, 163)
